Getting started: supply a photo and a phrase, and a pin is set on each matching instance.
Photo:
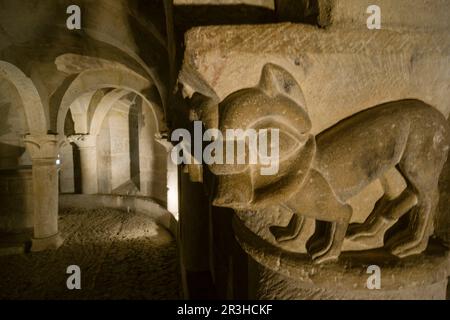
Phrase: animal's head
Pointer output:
(276, 107)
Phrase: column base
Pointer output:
(43, 244)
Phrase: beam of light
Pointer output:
(172, 188)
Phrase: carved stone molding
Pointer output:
(42, 147)
(282, 275)
(83, 140)
(319, 174)
(361, 156)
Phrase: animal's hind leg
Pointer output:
(423, 175)
(385, 215)
(414, 239)
(421, 165)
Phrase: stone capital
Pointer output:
(164, 141)
(83, 141)
(43, 147)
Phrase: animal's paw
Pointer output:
(325, 256)
(368, 230)
(360, 231)
(409, 248)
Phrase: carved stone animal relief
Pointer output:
(306, 206)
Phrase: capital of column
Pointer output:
(43, 147)
(83, 141)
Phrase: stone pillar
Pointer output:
(44, 152)
(87, 144)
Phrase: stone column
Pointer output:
(87, 144)
(44, 152)
(292, 224)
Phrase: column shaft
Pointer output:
(87, 145)
(43, 150)
(88, 158)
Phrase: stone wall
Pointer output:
(16, 198)
(16, 190)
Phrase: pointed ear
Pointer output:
(275, 80)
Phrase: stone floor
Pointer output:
(121, 256)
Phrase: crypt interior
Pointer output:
(87, 175)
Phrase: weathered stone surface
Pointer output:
(399, 15)
(269, 285)
(280, 275)
(343, 94)
(317, 176)
(356, 69)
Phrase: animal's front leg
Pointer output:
(289, 232)
(333, 246)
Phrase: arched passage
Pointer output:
(119, 78)
(117, 152)
(128, 152)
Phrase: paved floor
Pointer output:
(121, 256)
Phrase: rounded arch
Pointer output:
(31, 100)
(118, 78)
(103, 108)
(108, 101)
(80, 111)
(151, 71)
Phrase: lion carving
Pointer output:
(319, 174)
